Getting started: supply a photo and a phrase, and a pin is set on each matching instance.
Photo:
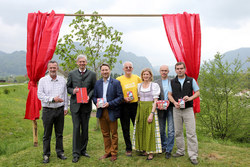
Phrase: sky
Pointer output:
(225, 24)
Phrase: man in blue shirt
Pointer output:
(166, 115)
(182, 96)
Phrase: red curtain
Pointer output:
(184, 35)
(42, 34)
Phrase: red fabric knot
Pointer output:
(32, 84)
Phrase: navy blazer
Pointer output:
(114, 98)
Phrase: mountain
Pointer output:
(138, 62)
(243, 54)
(15, 63)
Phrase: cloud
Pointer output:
(217, 13)
(224, 23)
(13, 37)
(221, 40)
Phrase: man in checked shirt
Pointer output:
(52, 92)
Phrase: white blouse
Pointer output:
(155, 88)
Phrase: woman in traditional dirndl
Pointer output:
(146, 135)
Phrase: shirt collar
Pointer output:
(83, 70)
(51, 79)
(107, 79)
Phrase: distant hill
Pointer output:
(138, 62)
(12, 63)
(243, 54)
(15, 63)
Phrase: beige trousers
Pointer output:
(185, 116)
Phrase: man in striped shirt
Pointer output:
(52, 92)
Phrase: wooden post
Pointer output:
(35, 138)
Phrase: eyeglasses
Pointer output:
(128, 68)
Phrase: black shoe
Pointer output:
(176, 155)
(85, 155)
(45, 159)
(194, 161)
(168, 155)
(75, 159)
(61, 156)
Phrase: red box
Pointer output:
(182, 103)
(82, 96)
(100, 103)
(162, 104)
(130, 95)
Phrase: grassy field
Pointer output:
(16, 142)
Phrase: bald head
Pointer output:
(164, 72)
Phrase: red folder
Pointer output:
(82, 96)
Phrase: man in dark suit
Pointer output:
(109, 91)
(80, 112)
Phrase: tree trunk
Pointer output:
(97, 124)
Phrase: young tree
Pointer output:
(222, 112)
(97, 41)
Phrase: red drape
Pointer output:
(42, 35)
(184, 35)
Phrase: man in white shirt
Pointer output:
(52, 92)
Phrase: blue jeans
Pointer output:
(166, 142)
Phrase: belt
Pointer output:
(49, 108)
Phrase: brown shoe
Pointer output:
(105, 156)
(113, 158)
(128, 153)
(150, 157)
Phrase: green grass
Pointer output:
(16, 142)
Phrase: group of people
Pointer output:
(128, 97)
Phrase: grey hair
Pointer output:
(81, 56)
(51, 62)
(127, 62)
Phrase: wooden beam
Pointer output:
(117, 15)
(35, 135)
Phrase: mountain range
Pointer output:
(15, 63)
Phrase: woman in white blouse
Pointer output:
(146, 137)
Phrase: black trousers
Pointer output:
(128, 112)
(50, 117)
(80, 131)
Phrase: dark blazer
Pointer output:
(159, 81)
(75, 79)
(114, 97)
